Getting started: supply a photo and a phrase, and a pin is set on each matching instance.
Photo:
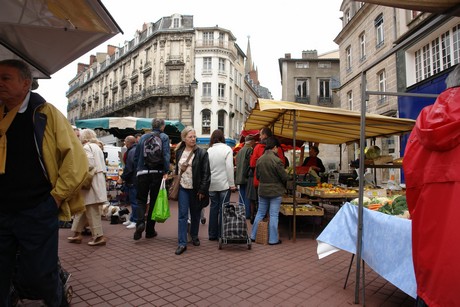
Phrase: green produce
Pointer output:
(396, 207)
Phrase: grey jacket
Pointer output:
(271, 175)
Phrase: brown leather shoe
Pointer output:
(99, 241)
(76, 239)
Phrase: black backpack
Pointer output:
(153, 152)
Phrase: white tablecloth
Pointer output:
(387, 245)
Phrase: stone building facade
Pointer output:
(398, 51)
(170, 70)
(311, 78)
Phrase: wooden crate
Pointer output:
(290, 200)
(302, 210)
(324, 194)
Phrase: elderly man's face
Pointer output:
(13, 88)
(128, 143)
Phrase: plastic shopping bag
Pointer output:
(161, 211)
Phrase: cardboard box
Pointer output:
(306, 190)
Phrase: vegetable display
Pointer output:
(395, 205)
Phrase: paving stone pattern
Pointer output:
(148, 273)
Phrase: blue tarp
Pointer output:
(387, 243)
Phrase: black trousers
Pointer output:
(29, 253)
(147, 185)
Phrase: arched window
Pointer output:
(206, 122)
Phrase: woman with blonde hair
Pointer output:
(95, 196)
(194, 186)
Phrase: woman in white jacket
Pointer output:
(95, 196)
(222, 180)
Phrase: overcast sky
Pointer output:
(274, 28)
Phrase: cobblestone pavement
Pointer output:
(148, 273)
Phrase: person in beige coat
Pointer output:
(95, 196)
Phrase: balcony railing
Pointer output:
(301, 99)
(216, 43)
(153, 91)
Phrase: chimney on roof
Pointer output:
(309, 54)
(111, 50)
(287, 55)
(92, 59)
(81, 67)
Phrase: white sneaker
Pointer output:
(131, 225)
(127, 222)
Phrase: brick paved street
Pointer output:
(148, 273)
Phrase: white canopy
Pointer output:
(49, 34)
(321, 124)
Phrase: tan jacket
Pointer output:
(98, 192)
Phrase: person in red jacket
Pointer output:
(259, 151)
(432, 171)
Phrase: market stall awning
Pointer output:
(449, 7)
(321, 124)
(49, 34)
(121, 127)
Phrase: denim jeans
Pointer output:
(132, 194)
(187, 202)
(215, 217)
(244, 199)
(273, 206)
(35, 234)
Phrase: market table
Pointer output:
(386, 243)
(303, 208)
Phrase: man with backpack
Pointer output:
(152, 158)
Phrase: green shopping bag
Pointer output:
(161, 211)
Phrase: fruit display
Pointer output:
(328, 190)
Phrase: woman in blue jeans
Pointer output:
(194, 186)
(272, 185)
(222, 180)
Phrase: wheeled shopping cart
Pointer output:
(234, 228)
